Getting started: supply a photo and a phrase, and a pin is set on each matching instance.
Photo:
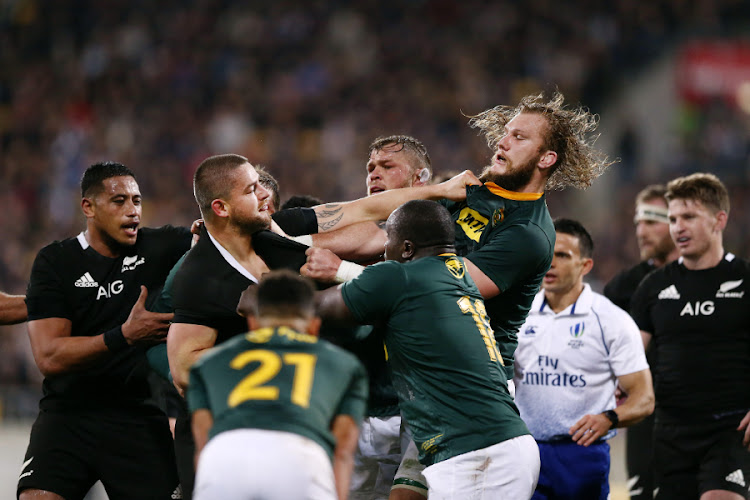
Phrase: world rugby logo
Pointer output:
(577, 330)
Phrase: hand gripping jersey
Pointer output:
(445, 364)
(510, 237)
(567, 363)
(278, 379)
(700, 322)
(71, 280)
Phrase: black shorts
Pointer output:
(695, 458)
(132, 455)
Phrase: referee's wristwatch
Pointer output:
(612, 416)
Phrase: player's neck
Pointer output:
(707, 260)
(560, 301)
(670, 257)
(239, 246)
(103, 244)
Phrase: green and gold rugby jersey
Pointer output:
(278, 379)
(446, 368)
(510, 237)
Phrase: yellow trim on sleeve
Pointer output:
(512, 195)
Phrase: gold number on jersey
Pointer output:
(252, 386)
(479, 313)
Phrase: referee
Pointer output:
(695, 311)
(89, 328)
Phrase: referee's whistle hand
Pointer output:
(143, 326)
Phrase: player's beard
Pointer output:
(253, 224)
(514, 180)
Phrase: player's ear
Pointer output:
(219, 207)
(721, 220)
(313, 326)
(547, 159)
(87, 205)
(407, 250)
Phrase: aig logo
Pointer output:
(110, 289)
(698, 309)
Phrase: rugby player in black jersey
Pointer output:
(656, 249)
(695, 312)
(89, 329)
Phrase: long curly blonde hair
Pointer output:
(569, 135)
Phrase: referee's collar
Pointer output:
(582, 305)
(230, 259)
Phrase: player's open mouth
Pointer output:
(131, 229)
(683, 241)
(374, 190)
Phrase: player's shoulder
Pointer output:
(67, 251)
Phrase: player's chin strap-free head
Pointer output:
(423, 175)
(656, 213)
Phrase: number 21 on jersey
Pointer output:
(252, 386)
(479, 313)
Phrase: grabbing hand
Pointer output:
(321, 265)
(454, 188)
(143, 325)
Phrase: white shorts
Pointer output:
(264, 465)
(504, 471)
(379, 450)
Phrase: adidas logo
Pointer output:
(177, 493)
(669, 293)
(86, 281)
(736, 477)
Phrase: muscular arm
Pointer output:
(57, 351)
(357, 242)
(379, 206)
(331, 306)
(202, 422)
(186, 343)
(12, 309)
(346, 433)
(486, 286)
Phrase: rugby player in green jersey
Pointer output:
(271, 408)
(445, 363)
(503, 227)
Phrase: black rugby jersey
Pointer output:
(700, 322)
(71, 280)
(207, 289)
(620, 289)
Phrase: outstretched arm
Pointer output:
(357, 242)
(12, 309)
(379, 206)
(330, 304)
(202, 422)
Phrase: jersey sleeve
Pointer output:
(354, 402)
(279, 252)
(371, 296)
(297, 221)
(197, 396)
(626, 353)
(512, 254)
(45, 293)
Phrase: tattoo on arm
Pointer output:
(326, 213)
(325, 226)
